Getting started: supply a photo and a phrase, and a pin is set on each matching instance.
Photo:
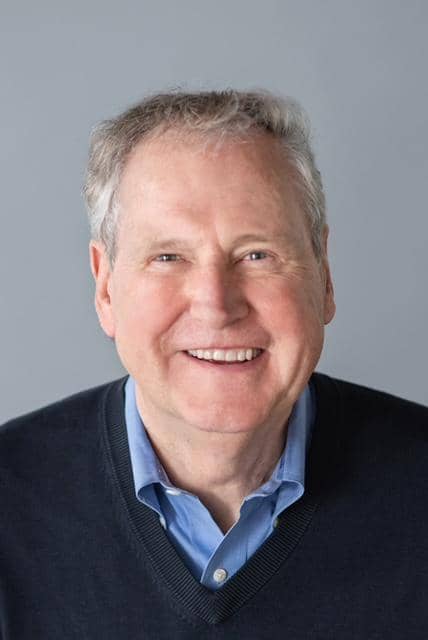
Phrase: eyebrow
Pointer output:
(174, 243)
(168, 243)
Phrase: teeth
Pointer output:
(225, 355)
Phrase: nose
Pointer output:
(216, 296)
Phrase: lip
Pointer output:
(216, 347)
(229, 367)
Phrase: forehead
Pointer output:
(173, 180)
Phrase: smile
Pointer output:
(226, 355)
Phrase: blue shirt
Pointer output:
(211, 555)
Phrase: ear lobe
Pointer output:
(100, 267)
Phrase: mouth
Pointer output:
(232, 358)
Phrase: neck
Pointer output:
(221, 469)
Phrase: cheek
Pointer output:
(144, 312)
(291, 303)
(293, 317)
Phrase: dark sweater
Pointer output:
(82, 558)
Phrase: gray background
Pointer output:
(360, 69)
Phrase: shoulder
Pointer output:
(55, 426)
(370, 404)
(373, 424)
(52, 461)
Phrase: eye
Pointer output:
(167, 257)
(256, 255)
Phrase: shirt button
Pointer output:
(276, 522)
(220, 575)
(173, 492)
(162, 521)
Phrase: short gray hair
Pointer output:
(223, 114)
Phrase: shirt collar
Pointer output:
(292, 463)
(146, 466)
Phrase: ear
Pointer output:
(329, 303)
(102, 273)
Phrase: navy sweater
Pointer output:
(81, 558)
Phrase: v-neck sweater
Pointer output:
(82, 558)
(211, 555)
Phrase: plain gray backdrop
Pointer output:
(359, 67)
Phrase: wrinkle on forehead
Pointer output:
(259, 149)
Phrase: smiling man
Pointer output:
(222, 489)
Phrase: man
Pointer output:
(223, 489)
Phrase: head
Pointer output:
(209, 239)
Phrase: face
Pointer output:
(213, 254)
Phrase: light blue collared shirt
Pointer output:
(200, 542)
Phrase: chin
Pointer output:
(223, 419)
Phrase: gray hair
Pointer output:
(223, 114)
